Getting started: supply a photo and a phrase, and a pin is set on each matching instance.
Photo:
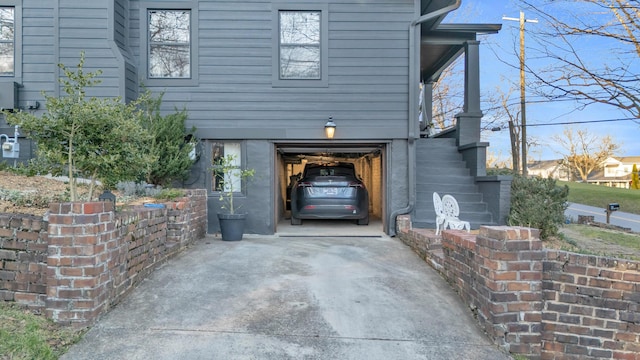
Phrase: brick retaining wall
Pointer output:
(591, 306)
(23, 259)
(535, 302)
(86, 257)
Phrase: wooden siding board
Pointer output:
(368, 61)
(119, 22)
(70, 5)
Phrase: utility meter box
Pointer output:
(11, 149)
(8, 95)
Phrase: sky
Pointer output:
(494, 72)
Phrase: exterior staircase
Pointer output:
(440, 168)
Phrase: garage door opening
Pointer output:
(369, 166)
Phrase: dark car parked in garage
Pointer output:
(329, 191)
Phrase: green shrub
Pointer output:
(136, 189)
(169, 194)
(538, 203)
(171, 142)
(37, 166)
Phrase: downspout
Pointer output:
(414, 73)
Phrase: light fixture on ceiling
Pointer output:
(330, 128)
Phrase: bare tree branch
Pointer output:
(591, 49)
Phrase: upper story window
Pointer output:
(299, 44)
(300, 55)
(169, 52)
(7, 41)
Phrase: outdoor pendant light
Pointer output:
(330, 128)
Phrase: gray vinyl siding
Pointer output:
(367, 92)
(99, 29)
(56, 31)
(38, 51)
(120, 22)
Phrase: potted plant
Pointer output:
(229, 178)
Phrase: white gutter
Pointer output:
(414, 74)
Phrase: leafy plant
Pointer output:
(229, 177)
(94, 138)
(37, 166)
(538, 203)
(634, 178)
(134, 189)
(170, 143)
(169, 194)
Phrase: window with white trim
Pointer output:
(220, 150)
(7, 41)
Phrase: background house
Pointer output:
(549, 168)
(260, 79)
(615, 171)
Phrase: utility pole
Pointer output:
(523, 113)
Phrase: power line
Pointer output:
(583, 122)
(571, 123)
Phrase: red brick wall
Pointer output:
(87, 257)
(498, 273)
(592, 306)
(540, 303)
(23, 259)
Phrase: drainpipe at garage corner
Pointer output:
(414, 73)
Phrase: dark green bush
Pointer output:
(37, 166)
(171, 142)
(538, 203)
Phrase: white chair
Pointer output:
(451, 212)
(437, 205)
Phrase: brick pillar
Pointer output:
(80, 235)
(509, 266)
(403, 223)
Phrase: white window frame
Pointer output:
(235, 148)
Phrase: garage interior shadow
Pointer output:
(368, 160)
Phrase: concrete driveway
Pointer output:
(290, 298)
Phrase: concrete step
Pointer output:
(440, 169)
(440, 178)
(474, 207)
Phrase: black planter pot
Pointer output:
(231, 226)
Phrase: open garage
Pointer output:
(368, 160)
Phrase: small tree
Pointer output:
(634, 178)
(170, 142)
(229, 178)
(96, 138)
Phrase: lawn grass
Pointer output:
(24, 335)
(600, 196)
(630, 242)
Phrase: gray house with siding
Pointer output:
(261, 79)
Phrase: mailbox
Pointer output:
(614, 206)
